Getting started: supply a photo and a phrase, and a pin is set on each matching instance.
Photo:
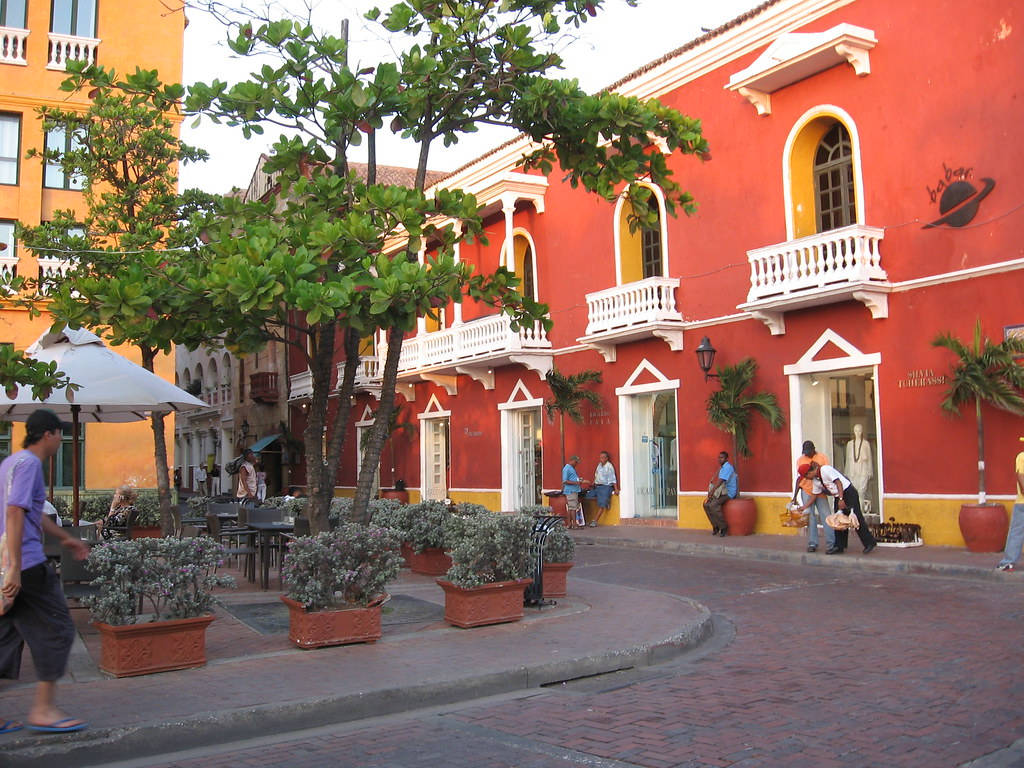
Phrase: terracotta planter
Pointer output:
(558, 507)
(984, 527)
(146, 532)
(740, 515)
(157, 646)
(555, 579)
(406, 551)
(316, 629)
(430, 562)
(488, 604)
(402, 496)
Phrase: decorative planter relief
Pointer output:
(156, 646)
(488, 604)
(741, 516)
(316, 629)
(430, 562)
(556, 578)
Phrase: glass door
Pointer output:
(654, 452)
(435, 481)
(527, 470)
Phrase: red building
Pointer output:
(865, 194)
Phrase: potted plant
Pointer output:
(731, 409)
(559, 553)
(424, 532)
(984, 373)
(146, 522)
(490, 568)
(334, 584)
(172, 580)
(398, 493)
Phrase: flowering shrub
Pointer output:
(423, 525)
(489, 548)
(349, 565)
(534, 509)
(199, 505)
(172, 578)
(559, 547)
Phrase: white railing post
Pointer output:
(65, 48)
(13, 45)
(651, 300)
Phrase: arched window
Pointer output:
(642, 251)
(833, 180)
(524, 264)
(821, 166)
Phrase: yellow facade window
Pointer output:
(640, 248)
(822, 178)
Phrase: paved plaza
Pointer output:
(672, 649)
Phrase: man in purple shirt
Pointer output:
(38, 614)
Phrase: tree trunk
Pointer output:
(321, 483)
(981, 452)
(379, 430)
(163, 486)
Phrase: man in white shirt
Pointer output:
(835, 483)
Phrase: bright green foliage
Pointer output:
(984, 372)
(17, 370)
(732, 407)
(134, 253)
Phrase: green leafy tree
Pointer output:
(733, 407)
(568, 393)
(332, 256)
(984, 372)
(126, 256)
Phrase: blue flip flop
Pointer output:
(10, 726)
(57, 727)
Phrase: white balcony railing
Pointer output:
(51, 270)
(65, 48)
(487, 338)
(368, 373)
(847, 255)
(300, 385)
(8, 270)
(13, 45)
(644, 302)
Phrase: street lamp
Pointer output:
(245, 428)
(706, 358)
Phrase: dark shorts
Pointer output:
(40, 619)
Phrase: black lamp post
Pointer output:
(706, 358)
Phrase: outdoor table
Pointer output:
(267, 531)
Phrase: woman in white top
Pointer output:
(604, 485)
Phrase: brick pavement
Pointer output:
(773, 695)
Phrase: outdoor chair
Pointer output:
(239, 544)
(265, 515)
(76, 578)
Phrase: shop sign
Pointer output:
(922, 377)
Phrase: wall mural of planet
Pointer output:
(959, 203)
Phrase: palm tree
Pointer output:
(984, 372)
(732, 407)
(567, 396)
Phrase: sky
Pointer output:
(616, 42)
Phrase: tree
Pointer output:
(733, 407)
(333, 255)
(127, 255)
(567, 394)
(984, 372)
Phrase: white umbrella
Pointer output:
(111, 388)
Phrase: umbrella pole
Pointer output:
(75, 458)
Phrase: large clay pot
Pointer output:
(558, 507)
(488, 604)
(740, 515)
(984, 527)
(430, 562)
(555, 579)
(317, 629)
(155, 646)
(390, 493)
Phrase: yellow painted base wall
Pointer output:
(489, 499)
(937, 517)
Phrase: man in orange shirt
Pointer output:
(808, 489)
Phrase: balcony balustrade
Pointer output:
(631, 312)
(263, 387)
(473, 348)
(300, 385)
(368, 375)
(825, 268)
(65, 48)
(51, 270)
(13, 45)
(8, 267)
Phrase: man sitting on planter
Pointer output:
(723, 486)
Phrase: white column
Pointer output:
(457, 253)
(508, 207)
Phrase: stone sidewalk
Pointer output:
(256, 683)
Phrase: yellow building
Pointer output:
(37, 39)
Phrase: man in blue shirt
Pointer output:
(723, 486)
(571, 488)
(36, 613)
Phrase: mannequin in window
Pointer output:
(859, 465)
